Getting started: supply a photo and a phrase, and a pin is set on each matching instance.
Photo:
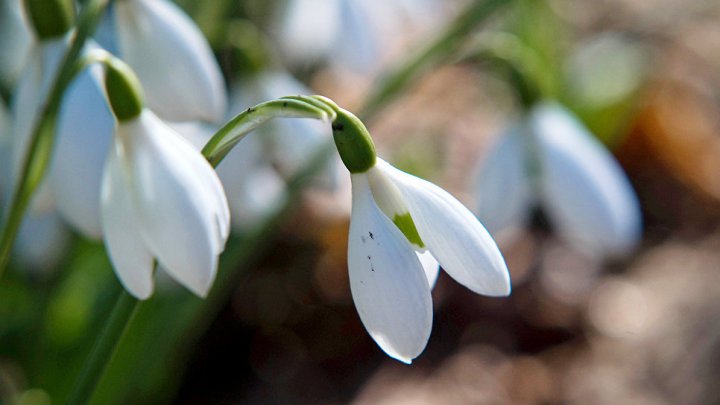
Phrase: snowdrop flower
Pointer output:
(161, 200)
(552, 160)
(172, 58)
(254, 189)
(401, 227)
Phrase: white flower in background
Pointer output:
(170, 55)
(552, 160)
(254, 189)
(353, 34)
(15, 40)
(84, 132)
(32, 89)
(291, 143)
(161, 200)
(344, 32)
(400, 229)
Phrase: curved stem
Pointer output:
(104, 348)
(43, 135)
(236, 129)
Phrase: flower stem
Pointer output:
(235, 130)
(445, 44)
(43, 135)
(104, 348)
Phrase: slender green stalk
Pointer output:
(104, 348)
(235, 130)
(43, 135)
(446, 43)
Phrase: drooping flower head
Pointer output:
(401, 227)
(161, 200)
(552, 160)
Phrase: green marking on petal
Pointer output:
(406, 225)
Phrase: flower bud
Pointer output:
(50, 18)
(123, 90)
(353, 142)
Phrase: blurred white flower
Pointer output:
(15, 40)
(171, 57)
(254, 189)
(401, 227)
(291, 143)
(353, 34)
(32, 89)
(161, 200)
(84, 132)
(552, 160)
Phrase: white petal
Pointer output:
(584, 190)
(254, 190)
(131, 260)
(185, 218)
(34, 85)
(32, 89)
(430, 266)
(84, 133)
(389, 287)
(198, 133)
(453, 235)
(502, 189)
(174, 62)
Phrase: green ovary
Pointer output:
(406, 225)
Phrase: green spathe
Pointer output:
(123, 89)
(353, 142)
(406, 225)
(50, 18)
